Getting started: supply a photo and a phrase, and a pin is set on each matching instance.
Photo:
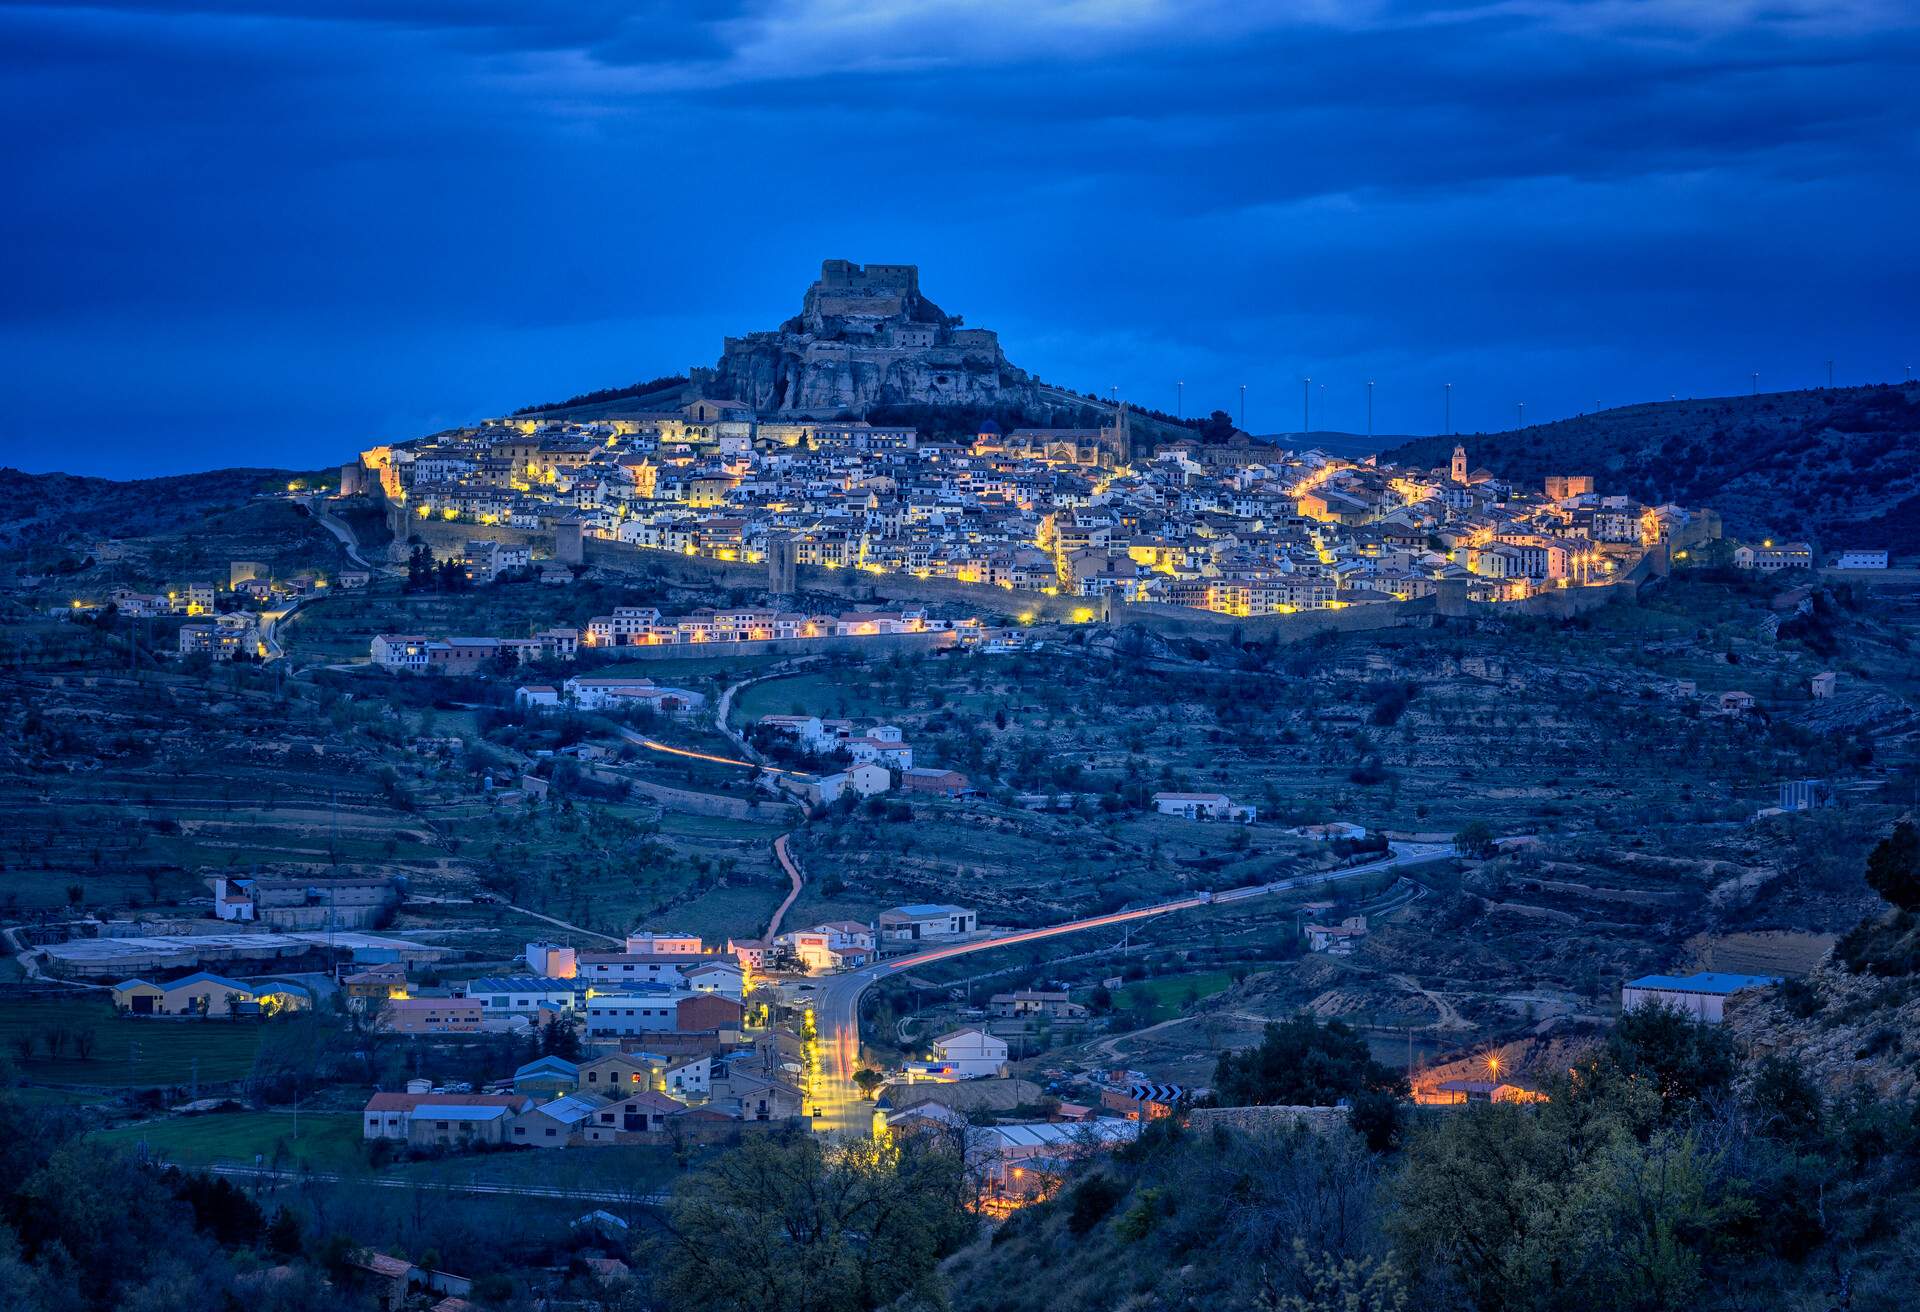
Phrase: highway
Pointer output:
(836, 998)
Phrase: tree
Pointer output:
(1893, 867)
(1302, 1063)
(1785, 1101)
(1475, 839)
(1358, 1284)
(1506, 1207)
(868, 1080)
(784, 1224)
(283, 1233)
(1680, 1058)
(420, 568)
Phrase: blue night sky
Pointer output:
(247, 232)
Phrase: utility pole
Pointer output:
(1180, 404)
(1369, 407)
(1756, 382)
(1306, 406)
(1522, 405)
(1449, 409)
(1243, 405)
(1829, 373)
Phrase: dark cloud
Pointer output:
(274, 231)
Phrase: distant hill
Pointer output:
(1838, 465)
(1348, 446)
(39, 509)
(656, 394)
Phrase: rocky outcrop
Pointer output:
(1843, 1030)
(865, 336)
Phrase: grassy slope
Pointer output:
(127, 1052)
(1840, 464)
(36, 506)
(328, 1141)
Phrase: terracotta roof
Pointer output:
(406, 1102)
(380, 1264)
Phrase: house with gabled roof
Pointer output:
(556, 1124)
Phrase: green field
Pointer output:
(328, 1141)
(689, 668)
(1164, 998)
(127, 1053)
(857, 693)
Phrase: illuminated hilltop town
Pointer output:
(1134, 508)
(1240, 528)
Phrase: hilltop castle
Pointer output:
(865, 336)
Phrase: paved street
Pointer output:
(837, 997)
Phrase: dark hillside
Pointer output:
(42, 508)
(1838, 465)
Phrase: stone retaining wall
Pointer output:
(1256, 1120)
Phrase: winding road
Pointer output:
(324, 517)
(836, 1104)
(792, 867)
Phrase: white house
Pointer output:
(602, 692)
(691, 1078)
(816, 789)
(926, 920)
(1702, 995)
(1861, 558)
(1201, 806)
(868, 780)
(536, 694)
(402, 652)
(806, 729)
(724, 978)
(1768, 558)
(967, 1054)
(845, 934)
(813, 948)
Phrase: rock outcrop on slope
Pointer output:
(866, 336)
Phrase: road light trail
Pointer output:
(837, 1004)
(653, 746)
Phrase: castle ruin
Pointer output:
(866, 336)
